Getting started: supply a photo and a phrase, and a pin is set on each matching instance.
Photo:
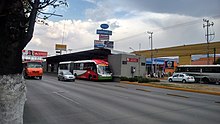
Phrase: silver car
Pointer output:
(65, 75)
(181, 77)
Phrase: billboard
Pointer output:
(103, 37)
(60, 47)
(109, 44)
(99, 44)
(105, 32)
(169, 64)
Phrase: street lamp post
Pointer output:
(151, 54)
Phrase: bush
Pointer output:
(133, 79)
(143, 80)
(154, 80)
(124, 78)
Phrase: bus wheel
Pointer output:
(205, 80)
(40, 77)
(90, 77)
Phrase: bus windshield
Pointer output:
(103, 69)
(34, 65)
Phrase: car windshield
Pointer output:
(103, 69)
(34, 65)
(67, 73)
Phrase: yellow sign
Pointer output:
(60, 47)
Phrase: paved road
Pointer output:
(82, 102)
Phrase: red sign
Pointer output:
(132, 60)
(39, 53)
(103, 37)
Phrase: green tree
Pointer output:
(217, 61)
(17, 21)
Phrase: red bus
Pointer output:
(32, 69)
(88, 69)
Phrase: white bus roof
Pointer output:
(199, 66)
(67, 62)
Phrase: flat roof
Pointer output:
(83, 55)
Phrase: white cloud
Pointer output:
(127, 32)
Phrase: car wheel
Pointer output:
(40, 77)
(73, 80)
(184, 81)
(58, 79)
(170, 80)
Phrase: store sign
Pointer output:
(34, 53)
(132, 60)
(60, 47)
(103, 37)
(39, 53)
(109, 44)
(99, 44)
(105, 32)
(104, 26)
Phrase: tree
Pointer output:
(217, 61)
(17, 21)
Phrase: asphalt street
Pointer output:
(50, 101)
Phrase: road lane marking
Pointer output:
(57, 93)
(217, 102)
(143, 90)
(177, 95)
(120, 86)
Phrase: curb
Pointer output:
(171, 88)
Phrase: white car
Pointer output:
(65, 75)
(181, 77)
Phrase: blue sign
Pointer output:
(106, 32)
(104, 26)
(155, 61)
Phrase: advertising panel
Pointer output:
(105, 32)
(132, 60)
(39, 53)
(103, 37)
(60, 47)
(109, 44)
(169, 64)
(99, 44)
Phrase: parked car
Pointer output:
(181, 77)
(65, 75)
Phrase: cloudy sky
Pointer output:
(173, 23)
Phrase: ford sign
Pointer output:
(104, 26)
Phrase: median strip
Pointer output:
(167, 86)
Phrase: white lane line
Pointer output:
(66, 98)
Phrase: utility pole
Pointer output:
(207, 25)
(151, 54)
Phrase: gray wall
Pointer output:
(121, 67)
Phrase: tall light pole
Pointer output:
(207, 25)
(151, 54)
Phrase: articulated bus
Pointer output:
(202, 73)
(88, 69)
(32, 69)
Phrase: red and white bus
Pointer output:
(88, 69)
